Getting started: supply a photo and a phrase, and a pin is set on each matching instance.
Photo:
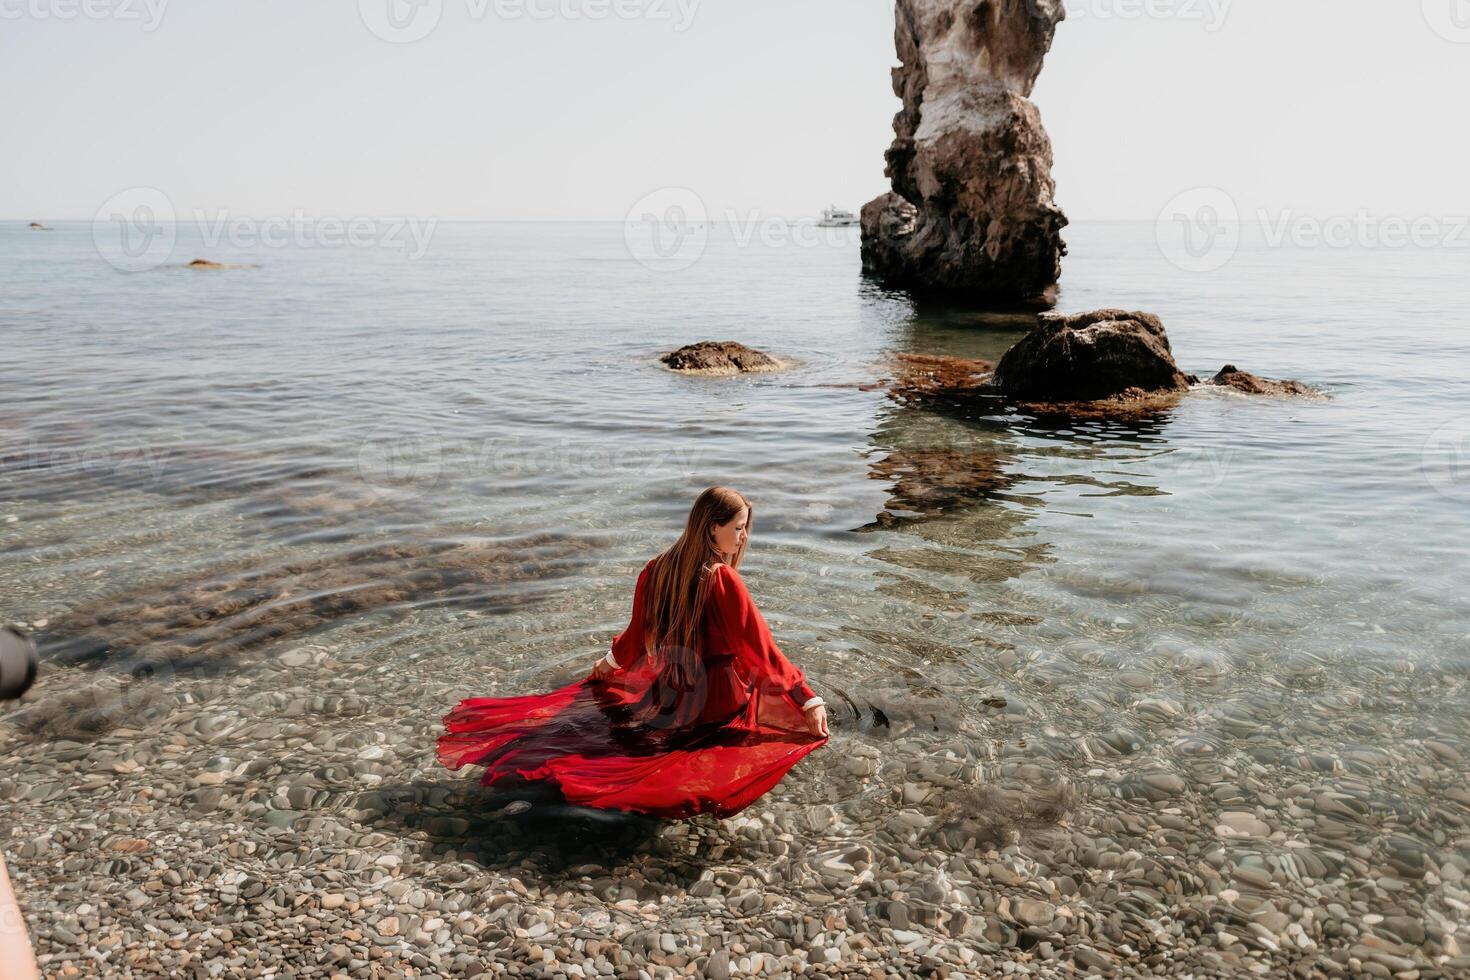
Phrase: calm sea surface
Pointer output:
(1251, 582)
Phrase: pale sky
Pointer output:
(540, 110)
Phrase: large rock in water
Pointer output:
(971, 214)
(1090, 356)
(718, 357)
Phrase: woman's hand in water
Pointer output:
(602, 670)
(816, 720)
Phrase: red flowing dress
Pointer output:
(633, 742)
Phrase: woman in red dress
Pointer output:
(693, 710)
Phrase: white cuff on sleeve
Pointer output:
(611, 660)
(813, 702)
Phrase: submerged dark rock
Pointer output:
(106, 659)
(1090, 356)
(209, 264)
(922, 379)
(720, 357)
(971, 213)
(1230, 376)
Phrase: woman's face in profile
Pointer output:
(730, 536)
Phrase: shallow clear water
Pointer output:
(1240, 581)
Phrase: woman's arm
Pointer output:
(629, 645)
(750, 639)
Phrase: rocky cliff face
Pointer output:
(971, 213)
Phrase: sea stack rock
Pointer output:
(1090, 356)
(971, 215)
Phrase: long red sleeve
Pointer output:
(748, 637)
(629, 645)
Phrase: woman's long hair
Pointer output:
(679, 582)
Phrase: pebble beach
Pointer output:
(302, 830)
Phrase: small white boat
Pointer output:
(835, 217)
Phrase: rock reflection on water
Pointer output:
(929, 482)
